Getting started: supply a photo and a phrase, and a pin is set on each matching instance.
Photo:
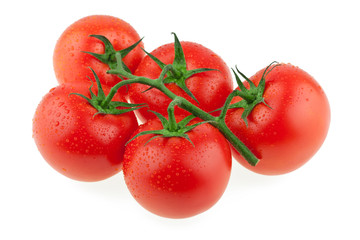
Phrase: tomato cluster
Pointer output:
(177, 163)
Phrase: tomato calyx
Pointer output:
(171, 128)
(250, 97)
(106, 107)
(109, 56)
(178, 72)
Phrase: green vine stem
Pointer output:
(218, 122)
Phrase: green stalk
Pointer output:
(218, 122)
(171, 115)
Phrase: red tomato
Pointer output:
(209, 88)
(71, 64)
(172, 178)
(76, 143)
(287, 135)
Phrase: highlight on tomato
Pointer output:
(79, 137)
(289, 124)
(92, 42)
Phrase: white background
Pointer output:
(318, 201)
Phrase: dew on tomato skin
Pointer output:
(49, 112)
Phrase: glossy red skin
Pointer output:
(73, 141)
(71, 64)
(172, 178)
(288, 135)
(209, 88)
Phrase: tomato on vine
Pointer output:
(78, 135)
(178, 166)
(288, 124)
(177, 170)
(198, 74)
(92, 42)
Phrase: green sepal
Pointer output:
(161, 133)
(251, 97)
(182, 85)
(98, 101)
(109, 56)
(179, 58)
(155, 59)
(163, 120)
(255, 94)
(185, 121)
(170, 127)
(112, 108)
(178, 73)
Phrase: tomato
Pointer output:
(210, 88)
(288, 132)
(76, 143)
(71, 63)
(171, 177)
